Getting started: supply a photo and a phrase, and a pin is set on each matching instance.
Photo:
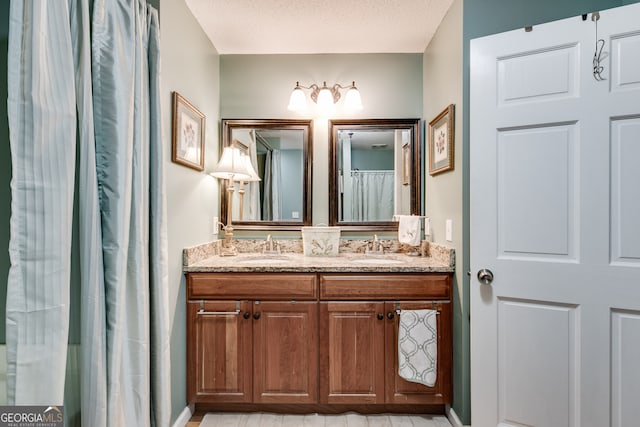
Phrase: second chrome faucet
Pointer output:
(270, 247)
(376, 246)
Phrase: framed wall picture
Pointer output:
(441, 141)
(188, 134)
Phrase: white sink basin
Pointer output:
(262, 260)
(379, 261)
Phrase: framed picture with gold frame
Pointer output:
(188, 134)
(441, 141)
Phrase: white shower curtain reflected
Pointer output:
(372, 193)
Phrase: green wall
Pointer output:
(291, 170)
(372, 159)
(190, 66)
(258, 86)
(442, 61)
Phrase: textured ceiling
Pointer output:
(319, 26)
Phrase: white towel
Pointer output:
(409, 229)
(418, 346)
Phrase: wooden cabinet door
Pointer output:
(285, 352)
(398, 390)
(352, 352)
(219, 352)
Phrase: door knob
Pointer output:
(256, 315)
(485, 276)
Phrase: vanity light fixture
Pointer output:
(325, 97)
(231, 167)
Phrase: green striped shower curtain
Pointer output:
(91, 83)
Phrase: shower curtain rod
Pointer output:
(260, 138)
(371, 171)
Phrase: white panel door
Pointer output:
(555, 216)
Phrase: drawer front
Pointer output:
(254, 286)
(385, 286)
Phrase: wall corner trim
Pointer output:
(183, 418)
(453, 418)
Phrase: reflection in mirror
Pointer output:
(375, 172)
(279, 196)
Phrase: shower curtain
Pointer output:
(372, 193)
(93, 82)
(252, 211)
(271, 203)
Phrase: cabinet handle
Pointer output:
(390, 315)
(256, 315)
(202, 311)
(246, 315)
(219, 313)
(380, 316)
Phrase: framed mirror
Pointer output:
(280, 151)
(374, 172)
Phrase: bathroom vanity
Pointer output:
(301, 334)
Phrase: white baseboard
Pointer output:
(453, 418)
(184, 418)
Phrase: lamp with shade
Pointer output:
(231, 167)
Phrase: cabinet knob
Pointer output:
(380, 316)
(390, 315)
(256, 315)
(246, 315)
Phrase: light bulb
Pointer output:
(352, 100)
(325, 101)
(298, 100)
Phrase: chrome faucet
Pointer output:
(269, 245)
(376, 246)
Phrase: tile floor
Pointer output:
(315, 420)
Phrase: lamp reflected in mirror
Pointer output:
(244, 155)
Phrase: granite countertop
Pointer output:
(351, 259)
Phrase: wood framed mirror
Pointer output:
(374, 172)
(281, 153)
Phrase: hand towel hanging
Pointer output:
(409, 229)
(417, 346)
